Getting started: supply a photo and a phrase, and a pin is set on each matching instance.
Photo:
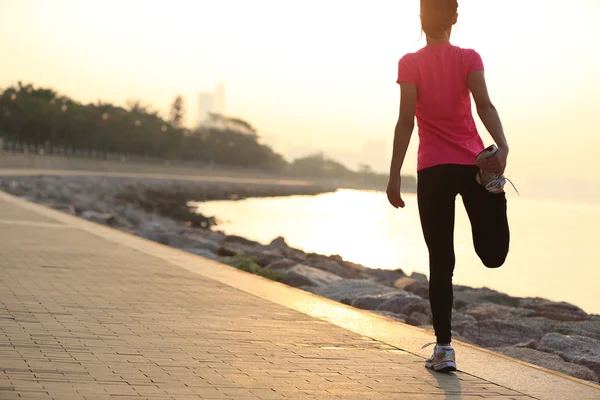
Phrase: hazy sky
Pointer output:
(320, 74)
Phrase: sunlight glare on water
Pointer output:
(554, 245)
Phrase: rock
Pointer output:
(576, 349)
(402, 301)
(360, 270)
(558, 311)
(589, 328)
(461, 321)
(574, 328)
(349, 289)
(177, 240)
(412, 285)
(595, 317)
(484, 311)
(132, 215)
(549, 361)
(264, 257)
(203, 234)
(417, 276)
(283, 263)
(500, 333)
(280, 246)
(335, 267)
(456, 336)
(418, 319)
(150, 226)
(157, 225)
(532, 344)
(460, 318)
(387, 314)
(202, 243)
(231, 261)
(420, 289)
(102, 207)
(304, 275)
(232, 246)
(119, 223)
(384, 276)
(241, 240)
(464, 296)
(158, 237)
(94, 216)
(279, 243)
(66, 208)
(336, 257)
(202, 252)
(84, 203)
(231, 249)
(402, 283)
(418, 306)
(371, 301)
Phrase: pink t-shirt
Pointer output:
(447, 131)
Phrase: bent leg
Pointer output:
(489, 222)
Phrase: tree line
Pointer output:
(42, 116)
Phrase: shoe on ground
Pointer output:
(443, 359)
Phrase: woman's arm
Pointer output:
(490, 118)
(402, 135)
(404, 127)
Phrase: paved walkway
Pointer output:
(90, 313)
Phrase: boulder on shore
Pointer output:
(405, 303)
(464, 296)
(558, 311)
(303, 275)
(346, 290)
(576, 349)
(485, 311)
(502, 332)
(549, 361)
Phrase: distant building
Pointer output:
(211, 103)
(219, 99)
(205, 107)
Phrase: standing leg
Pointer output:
(436, 192)
(489, 221)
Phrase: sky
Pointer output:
(319, 75)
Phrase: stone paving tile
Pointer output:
(83, 318)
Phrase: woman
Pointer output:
(435, 86)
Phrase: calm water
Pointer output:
(554, 248)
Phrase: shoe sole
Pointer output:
(442, 367)
(446, 369)
(486, 153)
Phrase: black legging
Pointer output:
(436, 193)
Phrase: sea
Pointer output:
(554, 253)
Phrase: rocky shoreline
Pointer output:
(554, 335)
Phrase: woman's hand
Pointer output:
(393, 192)
(495, 164)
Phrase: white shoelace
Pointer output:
(428, 344)
(496, 184)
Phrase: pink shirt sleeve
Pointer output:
(474, 62)
(406, 71)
